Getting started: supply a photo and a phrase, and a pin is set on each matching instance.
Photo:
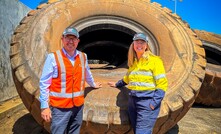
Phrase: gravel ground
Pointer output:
(199, 120)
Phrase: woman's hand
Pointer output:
(152, 107)
(112, 84)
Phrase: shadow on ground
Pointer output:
(27, 125)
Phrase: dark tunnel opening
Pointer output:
(212, 55)
(106, 45)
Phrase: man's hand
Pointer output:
(46, 114)
(112, 84)
(98, 85)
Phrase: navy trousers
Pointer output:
(66, 120)
(142, 117)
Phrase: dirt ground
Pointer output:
(198, 120)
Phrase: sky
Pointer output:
(200, 14)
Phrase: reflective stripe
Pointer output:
(159, 76)
(63, 71)
(83, 69)
(67, 95)
(142, 84)
(63, 93)
(141, 73)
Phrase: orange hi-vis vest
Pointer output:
(67, 90)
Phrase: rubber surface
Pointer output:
(210, 92)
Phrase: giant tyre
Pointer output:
(105, 26)
(210, 91)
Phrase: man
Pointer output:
(62, 85)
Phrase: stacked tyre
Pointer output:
(210, 92)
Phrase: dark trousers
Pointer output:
(142, 117)
(66, 120)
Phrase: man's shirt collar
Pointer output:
(76, 52)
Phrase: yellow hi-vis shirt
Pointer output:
(147, 74)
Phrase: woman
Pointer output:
(147, 84)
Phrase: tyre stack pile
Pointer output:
(210, 92)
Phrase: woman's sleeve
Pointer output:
(160, 81)
(120, 83)
(160, 75)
